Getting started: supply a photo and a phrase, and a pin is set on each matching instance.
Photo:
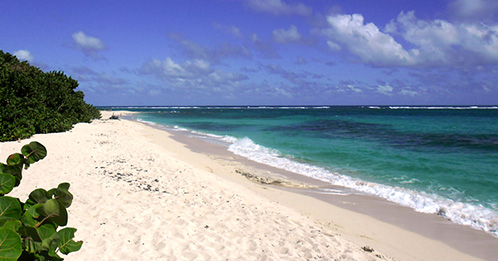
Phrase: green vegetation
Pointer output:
(28, 231)
(32, 101)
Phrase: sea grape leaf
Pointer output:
(64, 185)
(30, 215)
(12, 224)
(34, 151)
(55, 212)
(62, 194)
(50, 239)
(67, 244)
(10, 244)
(14, 170)
(15, 159)
(7, 183)
(29, 231)
(31, 238)
(38, 196)
(10, 208)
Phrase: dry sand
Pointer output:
(141, 195)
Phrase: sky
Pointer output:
(263, 52)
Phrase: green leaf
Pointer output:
(34, 151)
(29, 233)
(50, 239)
(67, 244)
(38, 196)
(15, 159)
(62, 194)
(12, 224)
(10, 244)
(64, 185)
(7, 183)
(10, 208)
(54, 212)
(14, 170)
(30, 215)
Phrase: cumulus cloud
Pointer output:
(88, 44)
(279, 7)
(365, 41)
(477, 10)
(440, 42)
(385, 89)
(286, 36)
(437, 42)
(408, 92)
(196, 74)
(24, 55)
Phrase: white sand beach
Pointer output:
(141, 195)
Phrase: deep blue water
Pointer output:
(435, 160)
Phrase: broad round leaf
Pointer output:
(7, 183)
(62, 194)
(50, 238)
(39, 196)
(12, 224)
(15, 159)
(30, 215)
(29, 232)
(34, 151)
(14, 170)
(10, 208)
(55, 212)
(10, 245)
(67, 244)
(64, 185)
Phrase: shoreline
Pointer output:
(141, 194)
(440, 230)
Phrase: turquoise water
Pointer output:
(435, 160)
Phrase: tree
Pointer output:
(32, 101)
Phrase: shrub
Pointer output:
(28, 231)
(32, 101)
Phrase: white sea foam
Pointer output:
(476, 216)
(216, 107)
(147, 122)
(441, 107)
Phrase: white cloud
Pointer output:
(353, 88)
(365, 41)
(195, 73)
(279, 7)
(443, 43)
(90, 45)
(385, 89)
(24, 55)
(286, 36)
(407, 92)
(433, 38)
(473, 9)
(437, 42)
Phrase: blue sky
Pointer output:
(263, 52)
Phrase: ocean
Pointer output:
(441, 160)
